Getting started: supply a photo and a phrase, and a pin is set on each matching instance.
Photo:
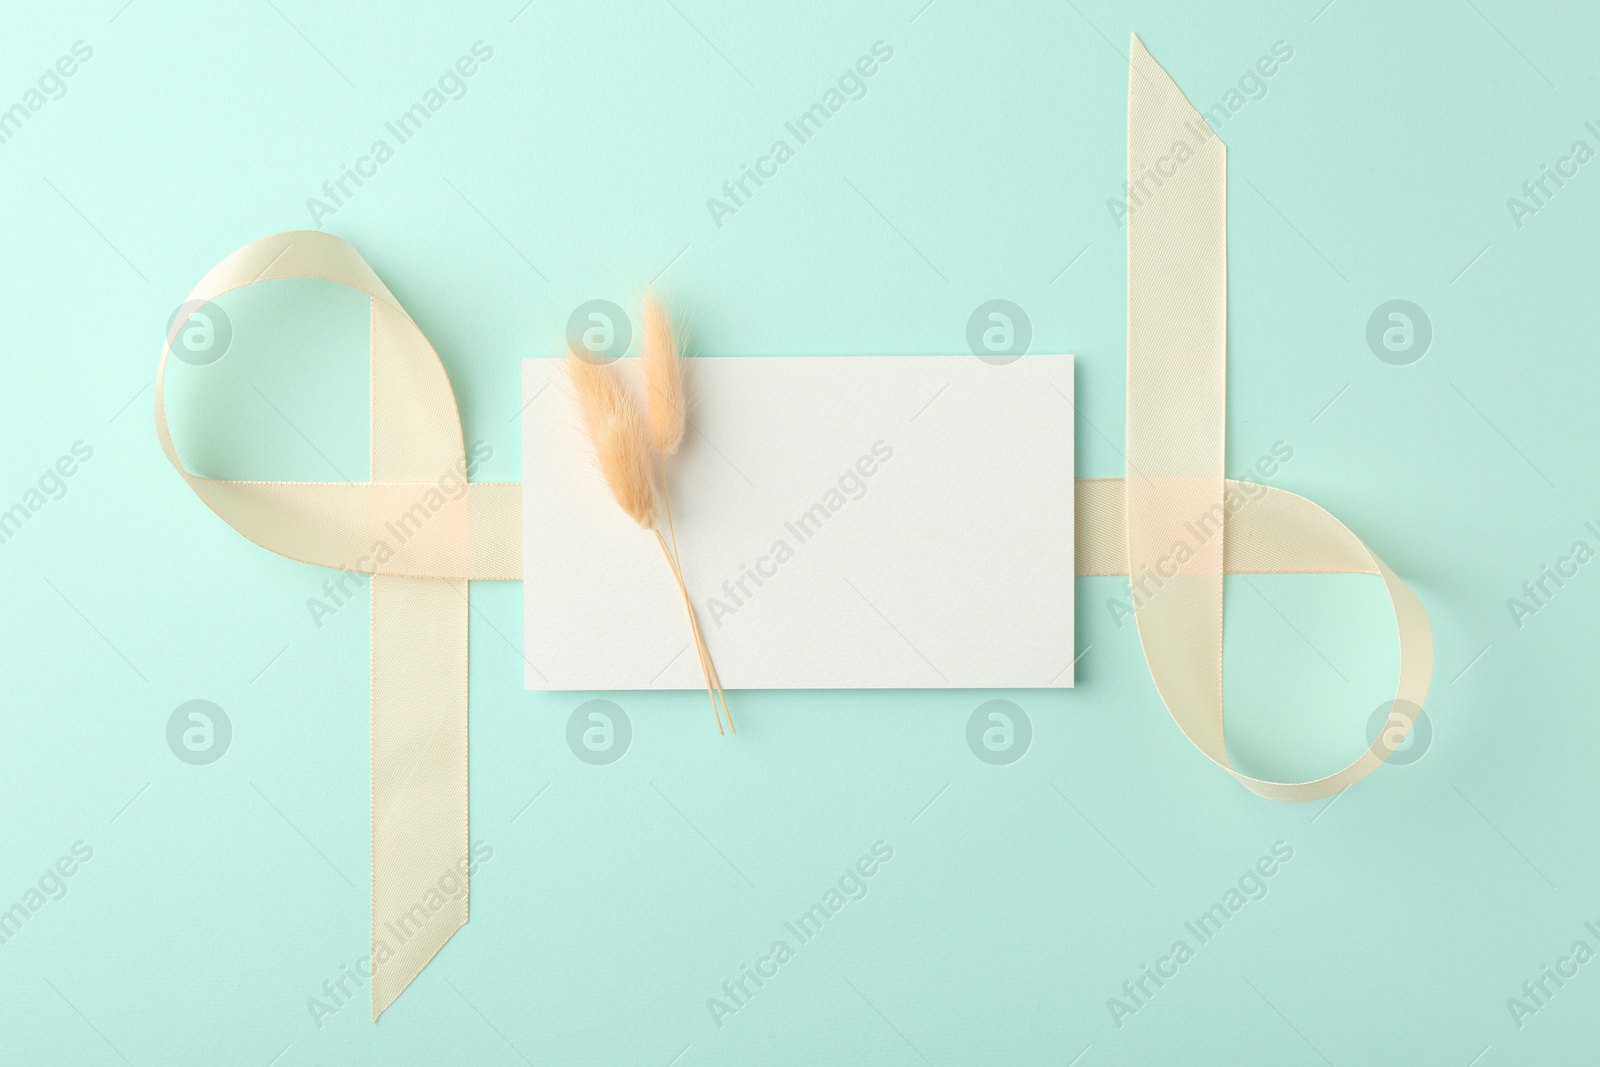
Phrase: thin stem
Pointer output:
(705, 652)
(707, 665)
(694, 629)
(677, 574)
(666, 496)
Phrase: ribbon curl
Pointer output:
(1177, 359)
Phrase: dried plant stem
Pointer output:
(708, 669)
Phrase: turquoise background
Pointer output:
(1376, 166)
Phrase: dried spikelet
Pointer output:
(663, 378)
(624, 454)
(596, 389)
(618, 434)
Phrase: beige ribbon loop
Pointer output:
(418, 516)
(419, 530)
(1183, 520)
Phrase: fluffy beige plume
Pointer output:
(618, 434)
(596, 389)
(663, 378)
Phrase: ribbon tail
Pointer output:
(420, 847)
(1177, 359)
(420, 851)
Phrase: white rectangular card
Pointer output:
(845, 522)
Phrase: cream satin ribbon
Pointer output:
(1177, 359)
(421, 532)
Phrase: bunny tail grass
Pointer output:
(663, 378)
(618, 434)
(625, 443)
(667, 417)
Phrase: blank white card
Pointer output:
(844, 522)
